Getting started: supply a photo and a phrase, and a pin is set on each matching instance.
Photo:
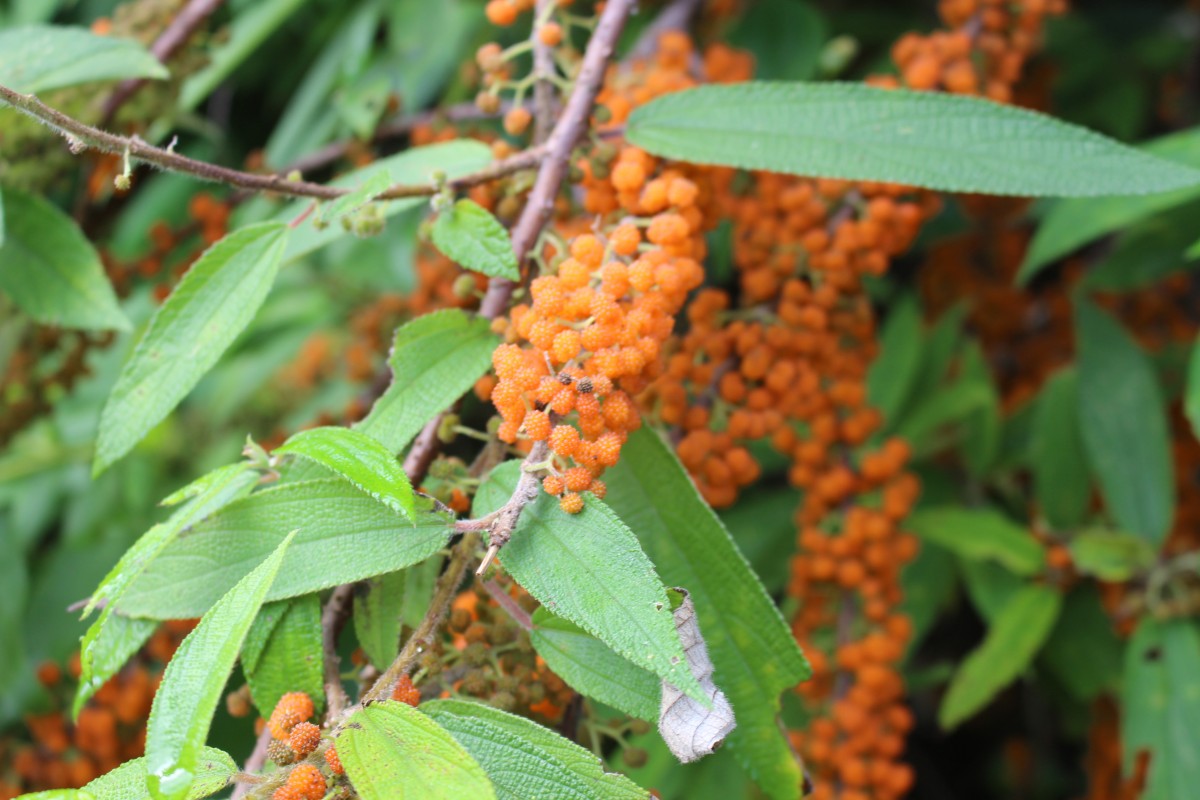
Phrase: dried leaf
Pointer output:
(689, 729)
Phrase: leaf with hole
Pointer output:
(934, 140)
(193, 680)
(188, 334)
(50, 269)
(392, 751)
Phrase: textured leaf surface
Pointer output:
(590, 667)
(193, 681)
(468, 234)
(292, 659)
(525, 760)
(392, 751)
(855, 132)
(36, 58)
(342, 536)
(981, 534)
(1070, 224)
(1061, 482)
(1124, 425)
(112, 638)
(50, 269)
(690, 730)
(1014, 638)
(755, 655)
(413, 166)
(359, 459)
(58, 794)
(1161, 706)
(435, 359)
(214, 770)
(213, 303)
(589, 568)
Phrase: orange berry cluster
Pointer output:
(982, 53)
(292, 709)
(304, 782)
(110, 730)
(405, 692)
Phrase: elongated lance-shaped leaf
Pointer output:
(468, 234)
(938, 141)
(434, 359)
(50, 269)
(291, 660)
(1014, 638)
(391, 751)
(525, 760)
(112, 638)
(344, 536)
(592, 668)
(213, 303)
(378, 606)
(590, 569)
(359, 459)
(1061, 482)
(981, 534)
(1070, 224)
(755, 654)
(37, 58)
(193, 680)
(214, 771)
(1123, 420)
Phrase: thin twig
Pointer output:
(505, 601)
(502, 522)
(82, 136)
(333, 617)
(543, 88)
(462, 558)
(254, 764)
(186, 22)
(567, 131)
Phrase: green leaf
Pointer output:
(589, 568)
(214, 771)
(1161, 706)
(934, 140)
(894, 371)
(525, 760)
(414, 166)
(359, 459)
(375, 185)
(292, 659)
(49, 268)
(1083, 651)
(981, 428)
(391, 751)
(113, 638)
(1191, 392)
(751, 646)
(590, 667)
(1061, 483)
(435, 359)
(1013, 639)
(1070, 224)
(37, 58)
(344, 536)
(785, 36)
(929, 582)
(981, 534)
(1124, 425)
(468, 234)
(189, 332)
(952, 405)
(378, 610)
(1111, 555)
(58, 794)
(1147, 253)
(192, 682)
(255, 643)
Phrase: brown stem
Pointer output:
(82, 136)
(254, 764)
(675, 17)
(543, 90)
(333, 618)
(186, 22)
(505, 601)
(566, 133)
